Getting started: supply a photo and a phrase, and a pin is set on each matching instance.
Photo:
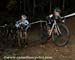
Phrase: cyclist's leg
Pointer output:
(25, 37)
(20, 34)
(25, 33)
(21, 38)
(55, 30)
(49, 29)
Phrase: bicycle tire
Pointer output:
(63, 39)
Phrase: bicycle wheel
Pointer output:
(44, 35)
(63, 37)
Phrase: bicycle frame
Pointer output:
(53, 26)
(41, 21)
(56, 27)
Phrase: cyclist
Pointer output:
(55, 16)
(23, 24)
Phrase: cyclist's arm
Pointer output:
(49, 18)
(26, 23)
(61, 19)
(18, 24)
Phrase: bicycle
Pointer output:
(57, 38)
(61, 37)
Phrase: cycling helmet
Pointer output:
(24, 16)
(57, 10)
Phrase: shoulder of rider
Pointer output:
(51, 15)
(26, 21)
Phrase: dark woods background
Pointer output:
(10, 10)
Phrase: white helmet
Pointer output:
(24, 16)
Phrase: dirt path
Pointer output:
(55, 53)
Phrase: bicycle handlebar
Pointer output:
(41, 21)
(70, 15)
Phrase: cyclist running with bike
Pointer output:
(50, 19)
(55, 16)
(23, 24)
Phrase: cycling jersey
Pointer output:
(51, 19)
(24, 23)
(18, 23)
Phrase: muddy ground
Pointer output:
(55, 53)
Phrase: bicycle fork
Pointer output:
(52, 28)
(58, 32)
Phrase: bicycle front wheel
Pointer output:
(63, 37)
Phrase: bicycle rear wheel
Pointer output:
(63, 37)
